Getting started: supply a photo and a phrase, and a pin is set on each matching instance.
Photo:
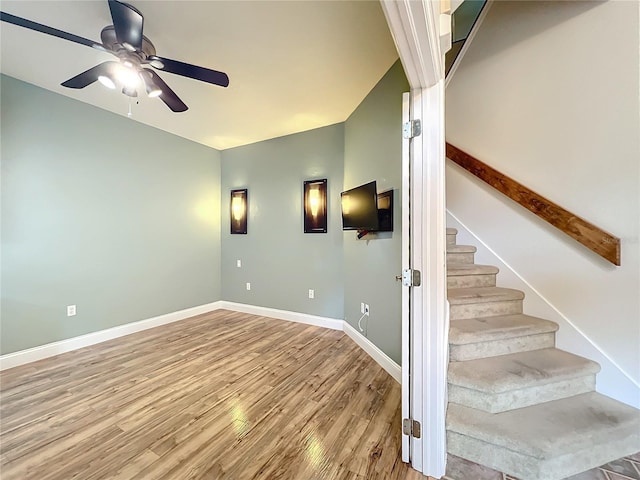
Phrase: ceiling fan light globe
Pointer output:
(107, 82)
(129, 78)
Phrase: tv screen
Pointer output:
(360, 208)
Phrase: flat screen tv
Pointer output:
(360, 208)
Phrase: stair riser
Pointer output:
(460, 257)
(525, 467)
(512, 400)
(473, 351)
(492, 456)
(485, 309)
(451, 239)
(471, 281)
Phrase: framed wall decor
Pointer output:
(315, 206)
(239, 211)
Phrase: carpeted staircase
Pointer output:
(516, 403)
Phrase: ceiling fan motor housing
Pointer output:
(110, 42)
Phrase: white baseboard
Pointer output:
(332, 323)
(381, 358)
(15, 359)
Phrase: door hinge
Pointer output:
(411, 278)
(412, 128)
(411, 427)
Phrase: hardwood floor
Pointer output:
(223, 395)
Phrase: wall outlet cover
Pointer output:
(71, 310)
(248, 286)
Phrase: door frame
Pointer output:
(421, 32)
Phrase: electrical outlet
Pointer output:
(71, 310)
(239, 263)
(312, 294)
(361, 307)
(366, 309)
(248, 286)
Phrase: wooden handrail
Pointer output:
(592, 237)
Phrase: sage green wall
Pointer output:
(118, 218)
(280, 261)
(128, 222)
(373, 148)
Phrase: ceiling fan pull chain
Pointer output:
(129, 114)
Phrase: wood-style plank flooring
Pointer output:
(223, 395)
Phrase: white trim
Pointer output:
(332, 323)
(431, 330)
(15, 359)
(414, 28)
(467, 42)
(22, 357)
(381, 358)
(417, 307)
(547, 301)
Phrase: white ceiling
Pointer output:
(293, 65)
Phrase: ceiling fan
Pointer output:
(134, 51)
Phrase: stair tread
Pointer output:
(501, 327)
(551, 429)
(462, 296)
(455, 269)
(520, 370)
(452, 231)
(453, 248)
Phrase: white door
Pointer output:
(414, 368)
(406, 309)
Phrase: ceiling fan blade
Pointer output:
(168, 96)
(91, 75)
(191, 71)
(128, 22)
(38, 27)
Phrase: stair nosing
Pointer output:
(461, 269)
(506, 381)
(455, 248)
(470, 295)
(538, 326)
